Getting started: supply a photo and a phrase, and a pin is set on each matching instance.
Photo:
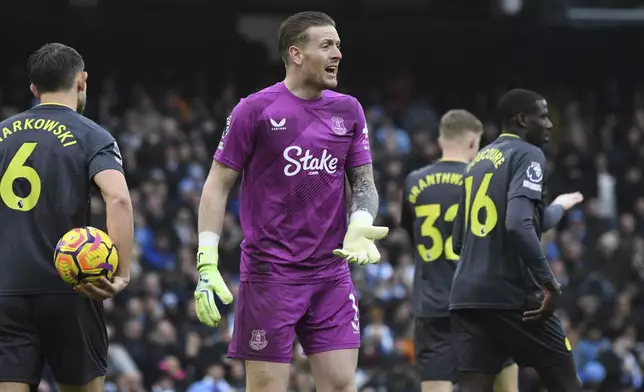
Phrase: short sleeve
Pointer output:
(107, 157)
(360, 153)
(527, 175)
(238, 140)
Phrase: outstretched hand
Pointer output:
(359, 247)
(569, 200)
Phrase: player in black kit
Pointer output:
(431, 201)
(50, 157)
(504, 293)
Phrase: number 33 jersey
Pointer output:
(490, 274)
(48, 157)
(430, 204)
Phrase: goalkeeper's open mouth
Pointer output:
(331, 70)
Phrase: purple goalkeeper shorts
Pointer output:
(324, 316)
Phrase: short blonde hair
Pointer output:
(458, 122)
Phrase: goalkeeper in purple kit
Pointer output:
(294, 142)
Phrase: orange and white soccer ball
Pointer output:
(85, 254)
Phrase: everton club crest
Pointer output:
(337, 125)
(258, 339)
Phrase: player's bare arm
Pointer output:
(120, 227)
(363, 189)
(214, 198)
(210, 221)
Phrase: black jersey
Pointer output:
(490, 273)
(48, 157)
(429, 209)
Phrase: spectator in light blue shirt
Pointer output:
(400, 137)
(214, 381)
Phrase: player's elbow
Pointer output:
(513, 225)
(518, 216)
(113, 188)
(519, 226)
(212, 196)
(120, 200)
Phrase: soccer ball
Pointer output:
(84, 254)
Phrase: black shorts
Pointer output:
(486, 338)
(435, 349)
(65, 330)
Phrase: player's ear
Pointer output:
(440, 141)
(34, 91)
(295, 54)
(522, 120)
(473, 141)
(82, 81)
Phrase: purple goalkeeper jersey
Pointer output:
(293, 154)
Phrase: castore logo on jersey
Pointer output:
(278, 125)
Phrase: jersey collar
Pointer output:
(510, 135)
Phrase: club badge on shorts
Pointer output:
(258, 340)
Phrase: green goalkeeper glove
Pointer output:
(210, 283)
(358, 246)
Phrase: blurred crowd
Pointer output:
(168, 136)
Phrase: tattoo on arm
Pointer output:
(364, 195)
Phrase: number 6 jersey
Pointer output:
(48, 157)
(429, 209)
(490, 274)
